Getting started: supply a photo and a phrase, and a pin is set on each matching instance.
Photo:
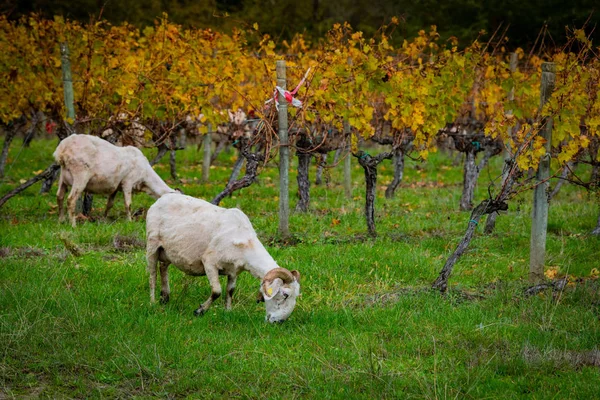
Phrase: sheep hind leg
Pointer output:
(76, 191)
(152, 259)
(110, 202)
(60, 197)
(213, 277)
(165, 290)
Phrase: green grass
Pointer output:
(365, 327)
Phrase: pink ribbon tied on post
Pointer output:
(289, 96)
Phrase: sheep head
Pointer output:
(279, 290)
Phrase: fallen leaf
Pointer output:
(551, 272)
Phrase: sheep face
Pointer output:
(280, 299)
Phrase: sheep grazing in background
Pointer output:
(124, 131)
(200, 238)
(93, 165)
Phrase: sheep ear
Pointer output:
(272, 288)
(296, 275)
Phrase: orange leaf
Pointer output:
(551, 272)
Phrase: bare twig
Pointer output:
(48, 172)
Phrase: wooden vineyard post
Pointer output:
(347, 164)
(348, 159)
(206, 159)
(67, 82)
(206, 142)
(539, 223)
(84, 204)
(284, 154)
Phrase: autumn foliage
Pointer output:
(163, 74)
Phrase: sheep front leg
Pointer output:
(231, 279)
(213, 277)
(127, 196)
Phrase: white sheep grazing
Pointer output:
(91, 164)
(200, 238)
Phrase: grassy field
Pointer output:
(365, 327)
